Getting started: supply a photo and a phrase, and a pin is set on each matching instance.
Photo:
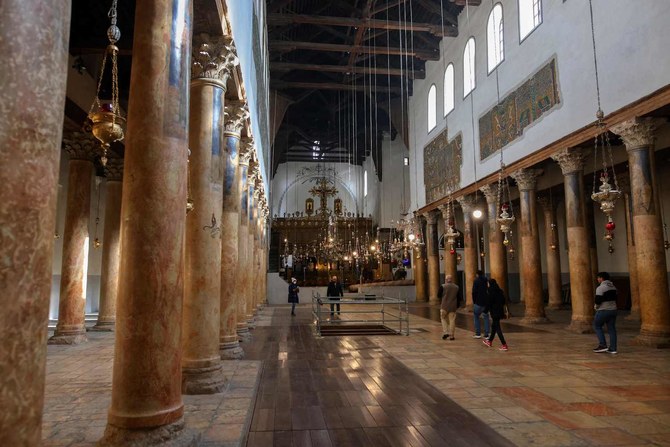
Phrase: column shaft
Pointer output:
(632, 257)
(469, 250)
(251, 257)
(553, 255)
(74, 267)
(243, 273)
(201, 360)
(420, 275)
(497, 255)
(589, 206)
(433, 258)
(146, 383)
(34, 37)
(109, 276)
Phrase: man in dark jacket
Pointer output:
(448, 308)
(480, 300)
(334, 293)
(606, 310)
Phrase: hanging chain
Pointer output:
(595, 59)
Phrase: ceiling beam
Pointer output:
(468, 2)
(358, 38)
(278, 4)
(332, 86)
(433, 28)
(436, 10)
(287, 66)
(389, 5)
(289, 45)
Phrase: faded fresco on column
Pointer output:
(506, 121)
(640, 170)
(230, 180)
(216, 167)
(179, 70)
(442, 160)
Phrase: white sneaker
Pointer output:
(476, 336)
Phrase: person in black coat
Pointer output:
(496, 307)
(293, 291)
(334, 292)
(480, 301)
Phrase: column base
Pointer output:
(171, 435)
(555, 306)
(204, 380)
(67, 338)
(535, 320)
(243, 333)
(102, 327)
(231, 350)
(580, 327)
(634, 315)
(434, 302)
(653, 339)
(250, 321)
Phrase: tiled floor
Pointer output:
(548, 390)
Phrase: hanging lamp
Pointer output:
(607, 194)
(106, 121)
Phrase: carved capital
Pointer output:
(526, 179)
(637, 132)
(490, 192)
(114, 169)
(246, 150)
(446, 212)
(236, 114)
(570, 161)
(467, 203)
(213, 58)
(431, 217)
(81, 146)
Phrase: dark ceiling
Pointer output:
(346, 69)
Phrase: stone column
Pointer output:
(582, 285)
(74, 268)
(624, 186)
(251, 246)
(237, 115)
(213, 60)
(243, 274)
(147, 406)
(497, 255)
(531, 273)
(420, 269)
(591, 229)
(34, 38)
(111, 244)
(450, 265)
(638, 136)
(553, 253)
(433, 255)
(469, 249)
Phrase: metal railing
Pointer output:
(392, 311)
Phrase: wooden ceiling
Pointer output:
(345, 67)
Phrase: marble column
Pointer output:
(624, 186)
(531, 273)
(433, 254)
(589, 206)
(34, 38)
(420, 269)
(147, 406)
(111, 244)
(450, 265)
(471, 259)
(251, 246)
(243, 275)
(582, 281)
(70, 328)
(497, 255)
(212, 62)
(237, 115)
(638, 136)
(553, 253)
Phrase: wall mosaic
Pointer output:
(505, 121)
(442, 160)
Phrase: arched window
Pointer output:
(448, 89)
(469, 67)
(530, 17)
(494, 37)
(365, 183)
(432, 107)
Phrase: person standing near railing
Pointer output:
(334, 292)
(293, 291)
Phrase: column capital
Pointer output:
(636, 132)
(467, 203)
(114, 169)
(526, 179)
(81, 146)
(570, 161)
(236, 114)
(213, 58)
(446, 212)
(431, 217)
(246, 150)
(490, 191)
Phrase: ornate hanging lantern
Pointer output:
(106, 121)
(506, 217)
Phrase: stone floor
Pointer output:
(549, 389)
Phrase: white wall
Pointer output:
(395, 181)
(632, 62)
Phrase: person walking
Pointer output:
(293, 291)
(448, 308)
(496, 307)
(480, 301)
(606, 311)
(334, 292)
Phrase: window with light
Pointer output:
(469, 67)
(365, 183)
(494, 37)
(530, 16)
(448, 89)
(432, 107)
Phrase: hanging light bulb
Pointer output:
(477, 214)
